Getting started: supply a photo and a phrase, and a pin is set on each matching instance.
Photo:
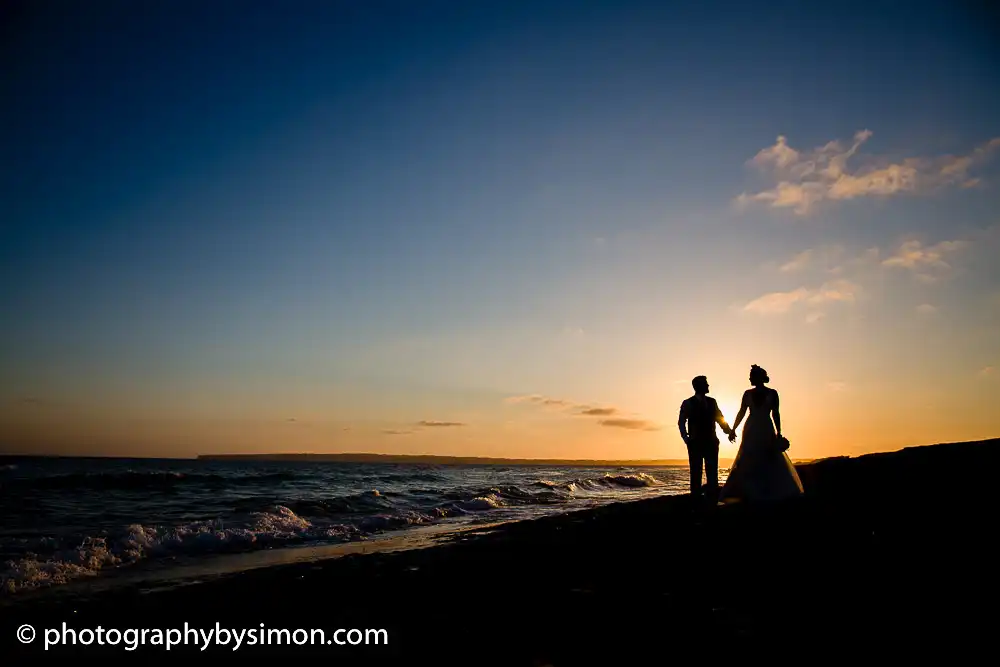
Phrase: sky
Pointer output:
(495, 229)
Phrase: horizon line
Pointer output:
(479, 459)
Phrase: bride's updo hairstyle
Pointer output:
(758, 375)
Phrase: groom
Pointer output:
(698, 417)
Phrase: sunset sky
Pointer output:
(513, 230)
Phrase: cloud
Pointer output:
(926, 262)
(836, 386)
(851, 270)
(776, 302)
(390, 432)
(539, 400)
(562, 404)
(987, 371)
(634, 424)
(437, 423)
(36, 402)
(631, 424)
(830, 259)
(804, 179)
(782, 302)
(599, 412)
(798, 262)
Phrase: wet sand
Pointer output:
(887, 555)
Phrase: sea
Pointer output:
(70, 521)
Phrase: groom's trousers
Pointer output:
(704, 456)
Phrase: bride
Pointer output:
(761, 471)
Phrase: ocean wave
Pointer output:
(609, 480)
(366, 502)
(110, 481)
(89, 555)
(259, 521)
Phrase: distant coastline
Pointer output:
(430, 459)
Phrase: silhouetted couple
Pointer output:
(761, 470)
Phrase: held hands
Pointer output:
(732, 435)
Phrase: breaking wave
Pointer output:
(267, 520)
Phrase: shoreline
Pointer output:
(166, 568)
(145, 576)
(888, 552)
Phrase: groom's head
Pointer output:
(700, 384)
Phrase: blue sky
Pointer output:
(380, 213)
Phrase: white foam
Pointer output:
(640, 479)
(138, 542)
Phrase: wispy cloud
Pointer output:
(987, 371)
(827, 259)
(803, 179)
(586, 410)
(852, 270)
(630, 424)
(836, 385)
(563, 404)
(926, 262)
(38, 403)
(392, 432)
(799, 262)
(437, 423)
(782, 302)
(539, 400)
(599, 412)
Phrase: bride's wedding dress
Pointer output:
(761, 471)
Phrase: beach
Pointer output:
(889, 554)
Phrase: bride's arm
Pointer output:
(776, 413)
(743, 411)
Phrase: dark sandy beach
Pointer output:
(887, 555)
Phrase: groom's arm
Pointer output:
(682, 422)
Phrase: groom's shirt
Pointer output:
(698, 417)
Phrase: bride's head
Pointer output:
(758, 376)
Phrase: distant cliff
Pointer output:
(438, 460)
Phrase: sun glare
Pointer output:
(729, 409)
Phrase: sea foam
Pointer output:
(262, 518)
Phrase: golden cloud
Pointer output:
(803, 179)
(631, 424)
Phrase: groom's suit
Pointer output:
(698, 417)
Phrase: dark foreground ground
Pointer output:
(888, 556)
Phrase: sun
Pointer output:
(729, 409)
